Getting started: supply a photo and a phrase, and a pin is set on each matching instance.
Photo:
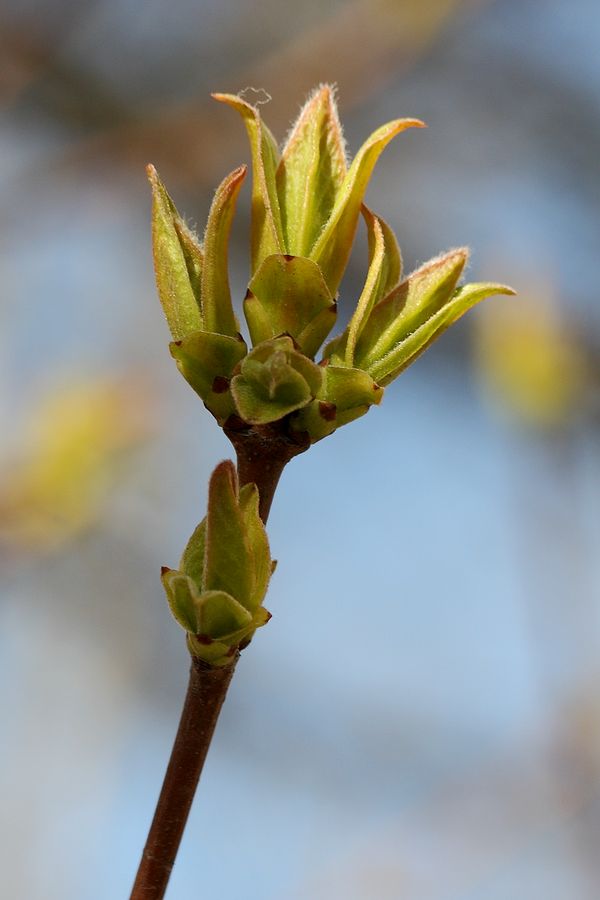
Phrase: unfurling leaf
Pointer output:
(207, 361)
(412, 345)
(226, 563)
(411, 304)
(217, 593)
(306, 204)
(217, 311)
(332, 248)
(345, 395)
(178, 262)
(274, 380)
(266, 229)
(311, 171)
(288, 294)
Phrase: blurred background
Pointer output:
(421, 718)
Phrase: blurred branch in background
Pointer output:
(544, 371)
(361, 45)
(69, 459)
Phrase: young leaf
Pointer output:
(332, 248)
(411, 304)
(345, 395)
(266, 392)
(206, 361)
(177, 262)
(286, 294)
(385, 269)
(214, 653)
(266, 229)
(220, 616)
(370, 292)
(226, 564)
(258, 543)
(312, 335)
(391, 271)
(387, 368)
(217, 311)
(311, 171)
(192, 561)
(182, 597)
(274, 380)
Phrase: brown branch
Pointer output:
(205, 695)
(262, 456)
(263, 452)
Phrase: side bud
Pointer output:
(216, 594)
(288, 295)
(273, 380)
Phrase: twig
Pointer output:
(262, 457)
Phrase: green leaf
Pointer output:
(182, 597)
(192, 561)
(311, 171)
(177, 262)
(221, 652)
(267, 392)
(411, 304)
(332, 248)
(349, 388)
(288, 294)
(221, 617)
(207, 361)
(214, 653)
(193, 255)
(312, 336)
(391, 270)
(387, 368)
(274, 380)
(258, 544)
(346, 394)
(385, 269)
(266, 228)
(225, 570)
(227, 564)
(217, 311)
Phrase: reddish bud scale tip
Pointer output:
(327, 410)
(220, 384)
(306, 200)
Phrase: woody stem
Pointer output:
(260, 461)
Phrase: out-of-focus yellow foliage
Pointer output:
(68, 461)
(530, 360)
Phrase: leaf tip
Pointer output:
(397, 125)
(223, 482)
